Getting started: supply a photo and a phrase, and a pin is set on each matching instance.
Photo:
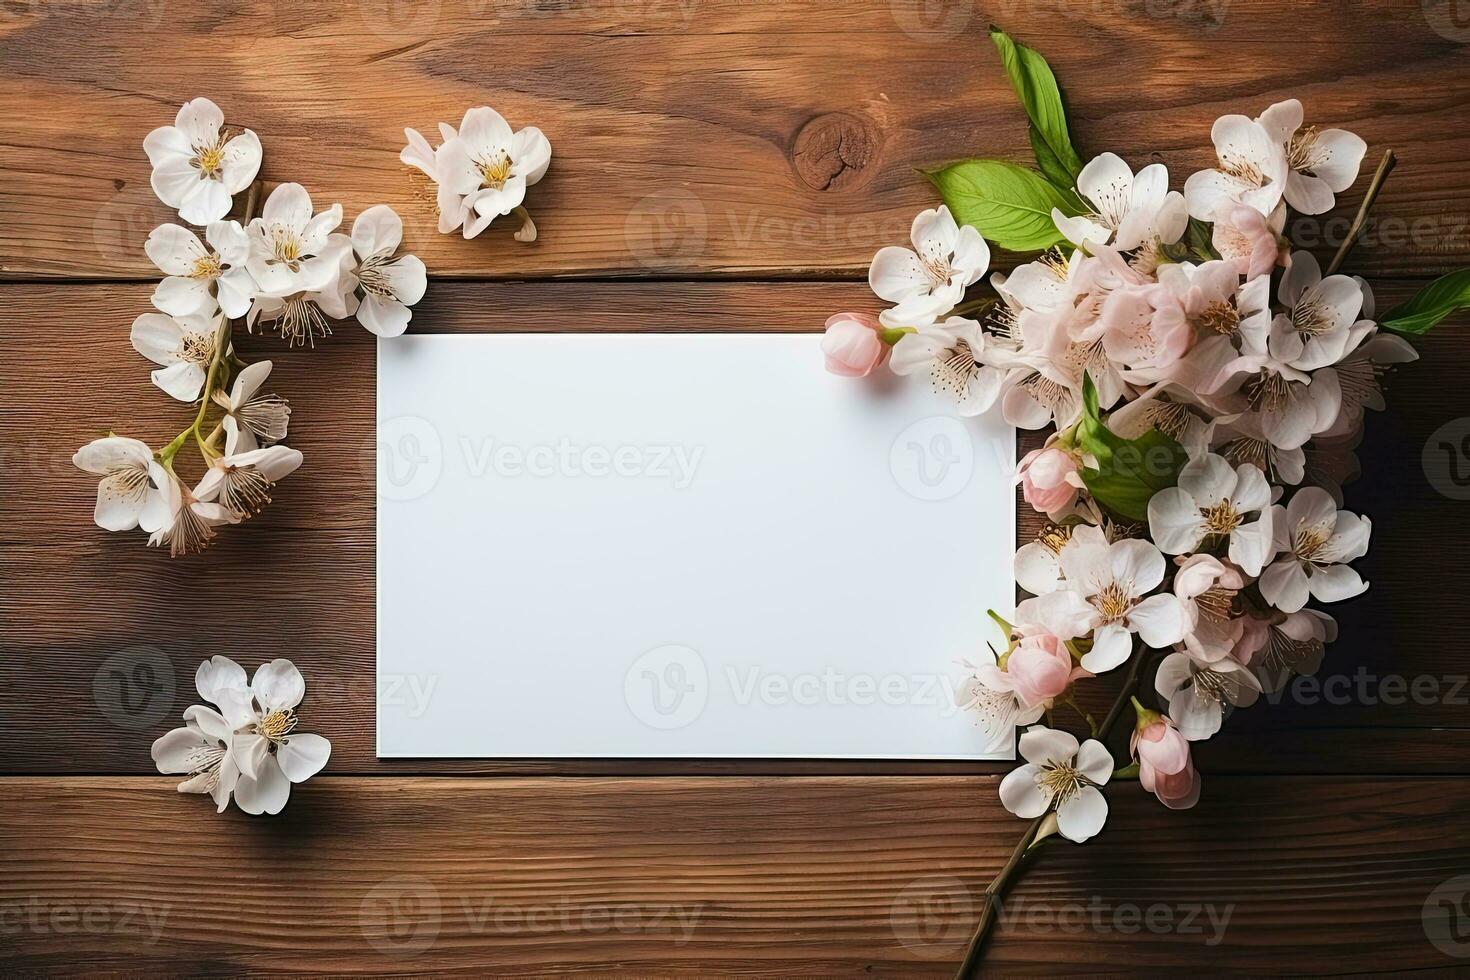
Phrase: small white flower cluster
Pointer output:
(481, 171)
(287, 267)
(247, 745)
(1192, 483)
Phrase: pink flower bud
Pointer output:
(1044, 483)
(852, 345)
(1040, 668)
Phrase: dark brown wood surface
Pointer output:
(719, 166)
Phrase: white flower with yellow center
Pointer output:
(1322, 163)
(488, 165)
(1215, 503)
(184, 345)
(1062, 775)
(202, 280)
(197, 166)
(1129, 210)
(1314, 540)
(953, 354)
(293, 250)
(270, 753)
(930, 279)
(389, 286)
(1252, 170)
(241, 480)
(1105, 593)
(130, 493)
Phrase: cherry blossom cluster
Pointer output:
(1205, 386)
(286, 271)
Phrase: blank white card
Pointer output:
(661, 545)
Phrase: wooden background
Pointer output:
(719, 165)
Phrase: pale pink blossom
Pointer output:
(1249, 240)
(852, 346)
(1049, 479)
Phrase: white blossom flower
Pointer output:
(999, 711)
(130, 493)
(1242, 439)
(453, 209)
(928, 280)
(201, 751)
(1314, 540)
(241, 481)
(1293, 646)
(490, 166)
(1063, 775)
(1172, 409)
(184, 345)
(1214, 502)
(293, 250)
(1210, 591)
(1038, 564)
(952, 354)
(1252, 170)
(1320, 312)
(1322, 164)
(1128, 211)
(252, 418)
(1197, 693)
(1292, 405)
(197, 168)
(1106, 593)
(270, 753)
(1371, 354)
(389, 286)
(190, 526)
(201, 280)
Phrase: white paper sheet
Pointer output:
(661, 545)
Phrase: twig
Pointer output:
(995, 891)
(1385, 166)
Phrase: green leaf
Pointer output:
(1009, 205)
(1201, 239)
(1036, 87)
(1129, 471)
(1432, 304)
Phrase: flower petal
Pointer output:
(303, 756)
(267, 792)
(1020, 794)
(278, 685)
(1082, 815)
(377, 231)
(1047, 746)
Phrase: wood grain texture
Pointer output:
(108, 617)
(640, 877)
(700, 136)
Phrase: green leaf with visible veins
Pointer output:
(1129, 471)
(1009, 205)
(1446, 295)
(1036, 87)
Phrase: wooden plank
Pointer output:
(76, 604)
(724, 136)
(698, 876)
